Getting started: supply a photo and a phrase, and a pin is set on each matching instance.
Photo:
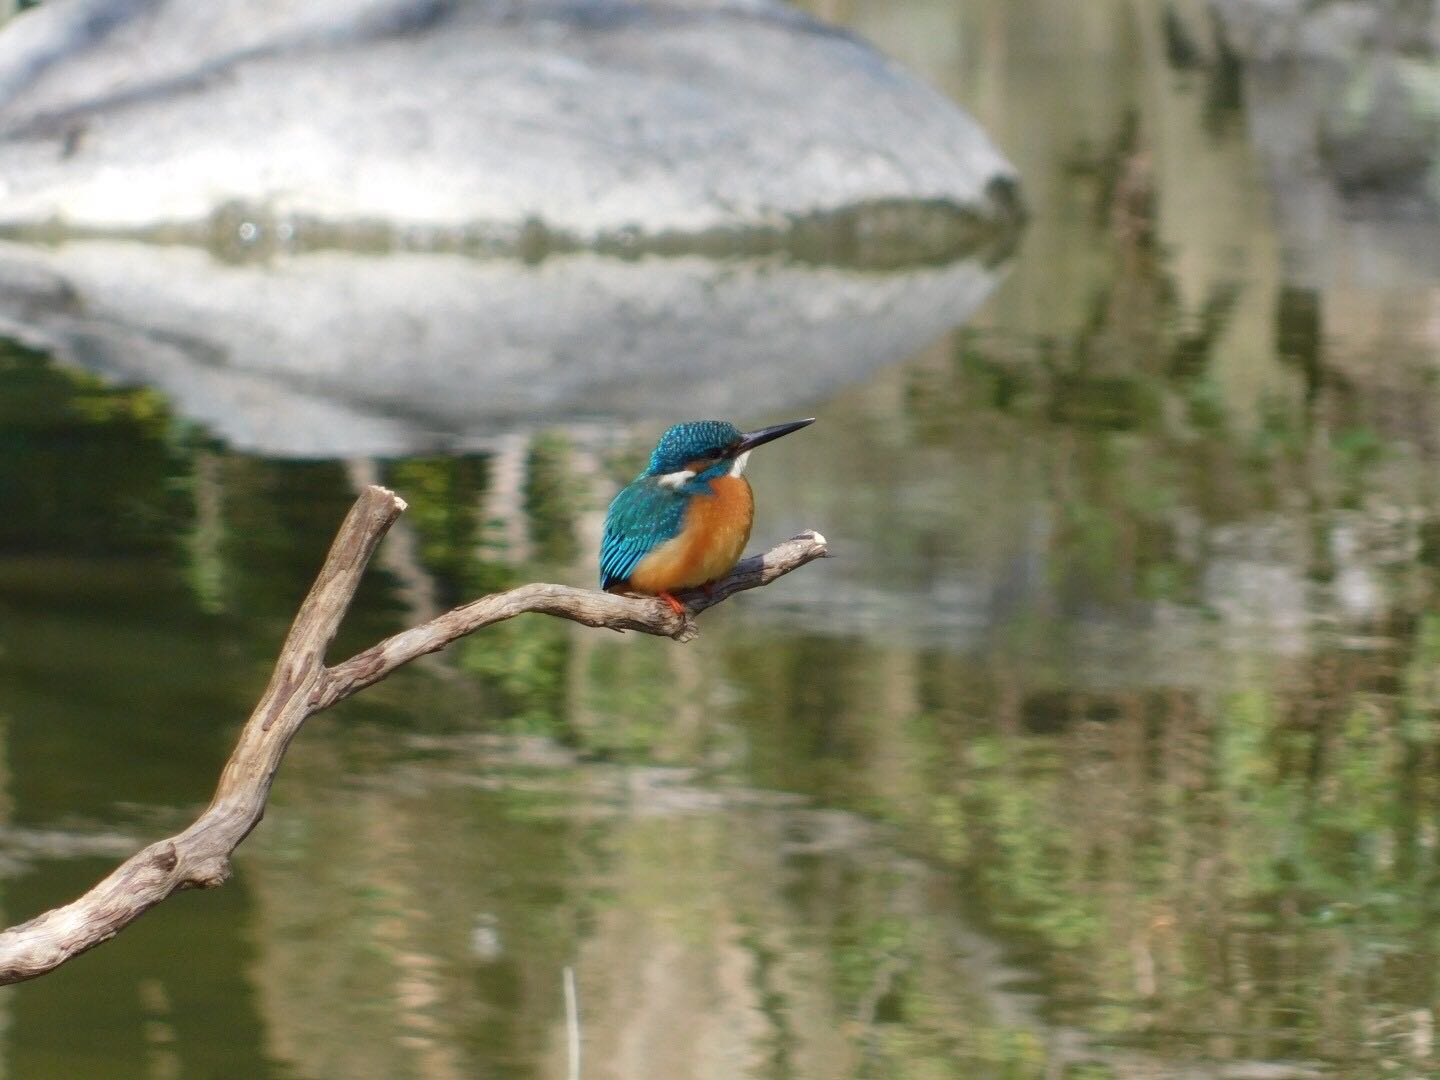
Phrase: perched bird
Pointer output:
(685, 520)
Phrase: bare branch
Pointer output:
(585, 606)
(199, 857)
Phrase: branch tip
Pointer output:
(399, 504)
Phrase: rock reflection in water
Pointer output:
(336, 354)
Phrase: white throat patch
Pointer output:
(677, 479)
(738, 468)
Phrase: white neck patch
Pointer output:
(738, 468)
(677, 479)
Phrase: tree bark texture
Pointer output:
(302, 685)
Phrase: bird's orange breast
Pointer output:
(711, 541)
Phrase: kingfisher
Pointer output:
(685, 520)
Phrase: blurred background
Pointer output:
(1108, 745)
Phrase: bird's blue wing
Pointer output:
(641, 518)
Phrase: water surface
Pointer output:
(1106, 747)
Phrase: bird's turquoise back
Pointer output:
(642, 517)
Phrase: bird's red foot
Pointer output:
(675, 605)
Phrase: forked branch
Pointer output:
(302, 685)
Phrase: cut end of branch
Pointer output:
(817, 539)
(396, 501)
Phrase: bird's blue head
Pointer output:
(704, 449)
(691, 443)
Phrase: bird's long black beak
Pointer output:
(752, 439)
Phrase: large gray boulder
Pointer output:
(478, 124)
